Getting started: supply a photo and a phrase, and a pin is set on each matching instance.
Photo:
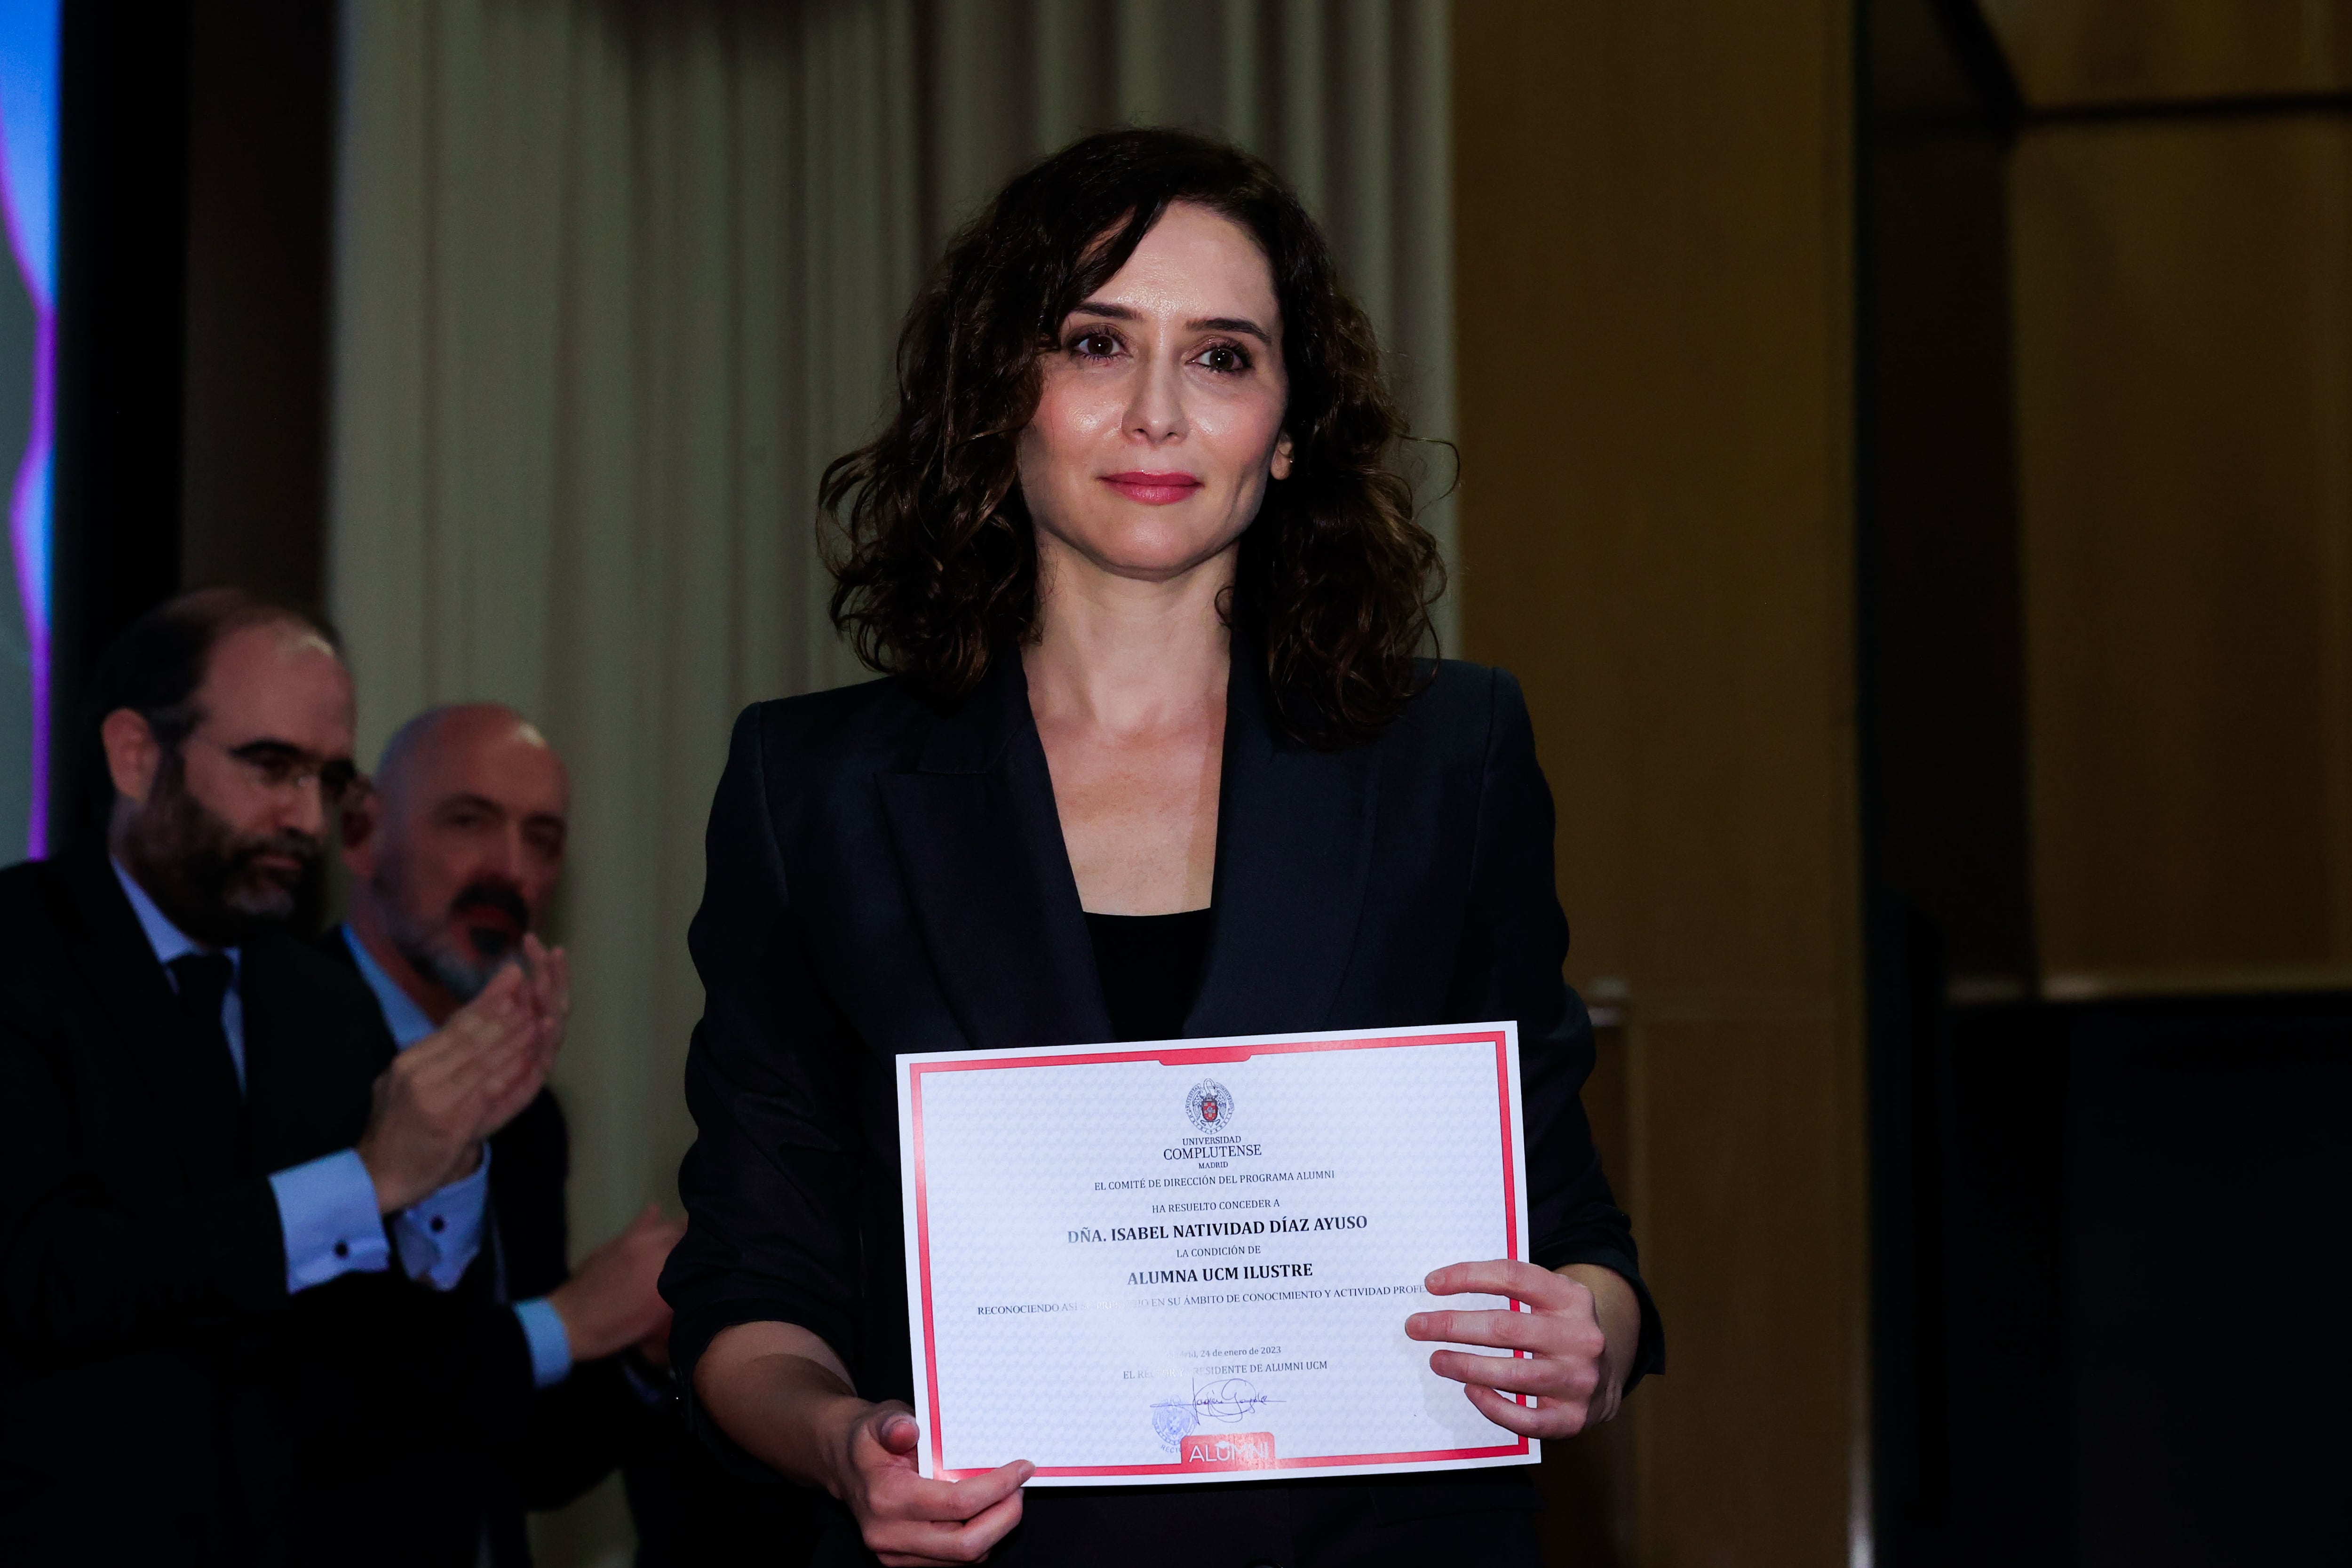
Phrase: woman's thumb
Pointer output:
(899, 1433)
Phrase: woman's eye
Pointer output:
(1226, 359)
(1097, 345)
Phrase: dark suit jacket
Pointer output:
(686, 1510)
(584, 1427)
(883, 878)
(594, 1420)
(165, 1400)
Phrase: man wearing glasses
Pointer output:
(240, 1237)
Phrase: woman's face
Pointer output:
(1160, 416)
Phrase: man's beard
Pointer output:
(459, 959)
(203, 876)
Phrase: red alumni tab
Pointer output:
(1232, 1451)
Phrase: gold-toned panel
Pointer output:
(1655, 327)
(2185, 415)
(2075, 52)
(1748, 1450)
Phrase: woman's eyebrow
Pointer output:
(1232, 324)
(1203, 324)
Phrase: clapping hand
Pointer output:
(547, 994)
(612, 1300)
(441, 1097)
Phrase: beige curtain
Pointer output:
(614, 281)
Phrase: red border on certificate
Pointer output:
(1192, 1057)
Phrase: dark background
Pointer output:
(195, 260)
(2103, 1316)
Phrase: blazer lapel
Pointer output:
(196, 1094)
(1294, 851)
(980, 849)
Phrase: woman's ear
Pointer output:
(1280, 467)
(132, 754)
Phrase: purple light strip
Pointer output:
(28, 536)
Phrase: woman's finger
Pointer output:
(1549, 1418)
(988, 1527)
(899, 1431)
(910, 1496)
(1538, 1288)
(921, 1544)
(1504, 1331)
(1543, 1376)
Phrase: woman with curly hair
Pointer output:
(1158, 755)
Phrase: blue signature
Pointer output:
(1229, 1399)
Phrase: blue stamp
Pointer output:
(1174, 1420)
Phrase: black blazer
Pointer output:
(165, 1400)
(882, 878)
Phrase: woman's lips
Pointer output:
(1153, 489)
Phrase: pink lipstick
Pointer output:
(1153, 489)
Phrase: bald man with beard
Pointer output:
(455, 852)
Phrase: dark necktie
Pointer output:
(203, 981)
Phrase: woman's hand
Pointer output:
(782, 1393)
(1581, 1333)
(906, 1519)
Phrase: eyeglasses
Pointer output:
(277, 765)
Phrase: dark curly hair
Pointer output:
(935, 560)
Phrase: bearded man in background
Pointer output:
(455, 850)
(238, 1232)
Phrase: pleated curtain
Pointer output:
(614, 281)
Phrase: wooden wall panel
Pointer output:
(2069, 52)
(1746, 1452)
(1654, 283)
(2185, 412)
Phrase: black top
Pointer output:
(885, 878)
(1150, 969)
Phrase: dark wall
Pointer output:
(1943, 603)
(1947, 857)
(253, 461)
(2141, 1362)
(194, 257)
(122, 282)
(2069, 1200)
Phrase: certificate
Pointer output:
(1190, 1260)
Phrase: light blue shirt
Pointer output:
(326, 1207)
(542, 1326)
